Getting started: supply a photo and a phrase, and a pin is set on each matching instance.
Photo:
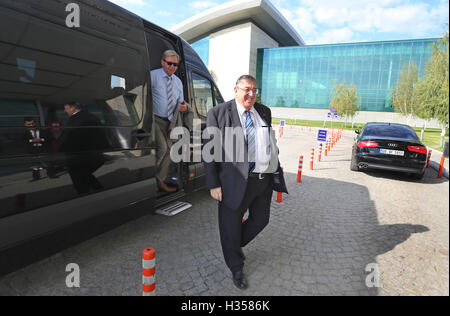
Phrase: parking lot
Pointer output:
(329, 236)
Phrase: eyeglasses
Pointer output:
(170, 63)
(247, 90)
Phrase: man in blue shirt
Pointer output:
(169, 104)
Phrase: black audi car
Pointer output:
(389, 146)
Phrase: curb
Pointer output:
(436, 166)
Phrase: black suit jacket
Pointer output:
(84, 141)
(45, 146)
(75, 139)
(231, 176)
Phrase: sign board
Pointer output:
(322, 135)
(333, 109)
(333, 115)
(282, 122)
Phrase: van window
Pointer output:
(103, 65)
(121, 111)
(203, 96)
(103, 62)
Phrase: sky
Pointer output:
(323, 21)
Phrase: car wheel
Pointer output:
(353, 164)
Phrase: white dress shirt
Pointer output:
(262, 137)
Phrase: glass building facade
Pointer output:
(304, 76)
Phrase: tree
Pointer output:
(345, 100)
(404, 96)
(432, 91)
(280, 101)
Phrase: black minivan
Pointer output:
(104, 63)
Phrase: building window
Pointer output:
(304, 76)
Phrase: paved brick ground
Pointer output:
(319, 241)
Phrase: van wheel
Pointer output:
(353, 164)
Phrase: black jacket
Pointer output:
(82, 133)
(231, 176)
(84, 140)
(45, 146)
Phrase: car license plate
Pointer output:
(392, 152)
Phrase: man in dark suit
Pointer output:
(240, 184)
(38, 141)
(84, 141)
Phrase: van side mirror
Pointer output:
(357, 131)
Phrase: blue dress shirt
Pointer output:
(159, 90)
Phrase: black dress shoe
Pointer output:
(239, 280)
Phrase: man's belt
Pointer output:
(162, 118)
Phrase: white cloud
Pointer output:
(164, 13)
(202, 4)
(330, 20)
(286, 13)
(302, 20)
(332, 16)
(129, 2)
(339, 35)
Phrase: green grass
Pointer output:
(431, 137)
(317, 123)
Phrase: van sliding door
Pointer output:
(202, 100)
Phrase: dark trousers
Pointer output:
(233, 233)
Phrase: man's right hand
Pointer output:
(216, 194)
(182, 107)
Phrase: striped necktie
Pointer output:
(170, 100)
(250, 132)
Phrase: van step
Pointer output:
(173, 208)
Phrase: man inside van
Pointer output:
(170, 110)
